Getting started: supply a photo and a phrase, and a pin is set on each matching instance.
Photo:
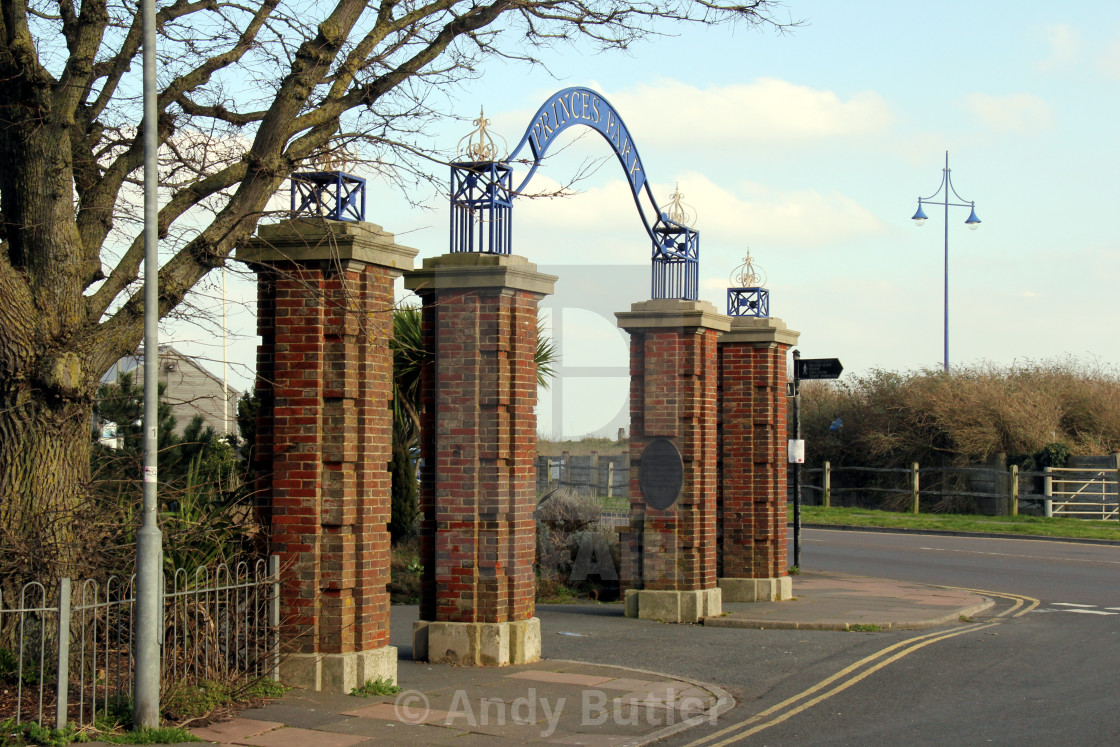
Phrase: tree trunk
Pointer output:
(44, 476)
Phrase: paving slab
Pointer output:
(566, 678)
(238, 728)
(294, 737)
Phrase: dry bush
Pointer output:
(572, 547)
(964, 416)
(561, 517)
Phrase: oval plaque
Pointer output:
(661, 474)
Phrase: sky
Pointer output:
(810, 149)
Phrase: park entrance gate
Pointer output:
(707, 446)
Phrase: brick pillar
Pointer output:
(324, 376)
(478, 440)
(669, 554)
(753, 434)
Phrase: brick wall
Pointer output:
(753, 434)
(477, 534)
(673, 390)
(324, 433)
(323, 447)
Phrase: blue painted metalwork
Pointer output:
(581, 106)
(676, 260)
(748, 302)
(972, 222)
(676, 247)
(330, 194)
(481, 207)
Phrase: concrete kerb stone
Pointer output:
(932, 622)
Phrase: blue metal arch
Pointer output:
(676, 247)
(582, 106)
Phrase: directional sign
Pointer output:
(819, 368)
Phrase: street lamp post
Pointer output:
(973, 222)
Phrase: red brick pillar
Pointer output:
(753, 428)
(478, 441)
(324, 376)
(669, 555)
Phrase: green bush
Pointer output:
(206, 512)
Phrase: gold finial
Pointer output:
(336, 159)
(679, 212)
(747, 275)
(480, 145)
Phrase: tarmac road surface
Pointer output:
(1042, 667)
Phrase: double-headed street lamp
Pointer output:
(973, 222)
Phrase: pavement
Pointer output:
(578, 703)
(837, 601)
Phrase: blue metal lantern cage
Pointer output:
(748, 302)
(481, 207)
(329, 194)
(676, 260)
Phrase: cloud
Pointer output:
(766, 110)
(1109, 61)
(601, 221)
(1064, 42)
(756, 214)
(1015, 112)
(669, 112)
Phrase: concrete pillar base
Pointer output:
(339, 673)
(756, 589)
(477, 644)
(674, 606)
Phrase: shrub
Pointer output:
(574, 552)
(1035, 413)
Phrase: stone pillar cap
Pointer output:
(465, 270)
(319, 239)
(753, 329)
(670, 313)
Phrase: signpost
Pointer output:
(817, 368)
(810, 368)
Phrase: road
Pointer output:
(1047, 676)
(1056, 571)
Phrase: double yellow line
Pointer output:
(858, 671)
(1020, 606)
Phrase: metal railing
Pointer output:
(1083, 493)
(72, 653)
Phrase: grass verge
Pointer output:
(1034, 526)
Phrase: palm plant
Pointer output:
(408, 359)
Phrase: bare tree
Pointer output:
(248, 91)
